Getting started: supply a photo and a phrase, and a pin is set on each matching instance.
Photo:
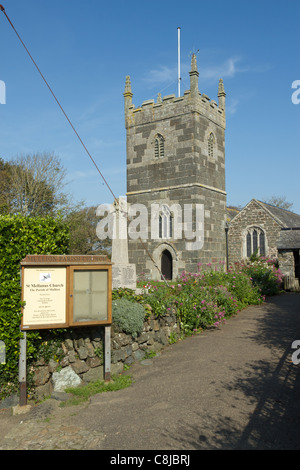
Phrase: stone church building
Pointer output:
(176, 171)
(176, 164)
(268, 231)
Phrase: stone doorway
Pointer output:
(155, 265)
(167, 265)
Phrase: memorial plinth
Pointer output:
(124, 276)
(123, 272)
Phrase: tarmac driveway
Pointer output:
(235, 387)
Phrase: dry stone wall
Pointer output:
(81, 354)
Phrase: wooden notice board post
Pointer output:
(62, 291)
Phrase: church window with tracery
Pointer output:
(255, 242)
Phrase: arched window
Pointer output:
(159, 146)
(211, 143)
(255, 242)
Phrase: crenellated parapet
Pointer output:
(167, 106)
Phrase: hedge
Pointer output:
(20, 236)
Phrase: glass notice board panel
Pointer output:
(90, 295)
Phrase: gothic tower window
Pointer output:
(159, 146)
(255, 242)
(211, 142)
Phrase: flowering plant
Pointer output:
(263, 273)
(210, 296)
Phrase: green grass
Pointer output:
(83, 393)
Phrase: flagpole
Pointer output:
(178, 29)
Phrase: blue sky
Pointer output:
(86, 49)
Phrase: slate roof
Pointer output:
(289, 239)
(286, 218)
(231, 212)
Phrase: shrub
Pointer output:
(125, 293)
(263, 273)
(210, 296)
(205, 298)
(200, 306)
(159, 297)
(20, 236)
(128, 316)
(242, 289)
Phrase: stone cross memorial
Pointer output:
(123, 272)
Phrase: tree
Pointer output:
(33, 186)
(279, 201)
(82, 225)
(4, 187)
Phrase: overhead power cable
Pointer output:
(57, 101)
(78, 136)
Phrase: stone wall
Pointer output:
(214, 243)
(82, 354)
(287, 266)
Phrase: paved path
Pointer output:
(231, 388)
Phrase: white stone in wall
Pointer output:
(65, 378)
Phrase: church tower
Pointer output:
(176, 169)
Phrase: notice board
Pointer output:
(60, 291)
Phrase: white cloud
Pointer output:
(231, 106)
(227, 69)
(164, 74)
